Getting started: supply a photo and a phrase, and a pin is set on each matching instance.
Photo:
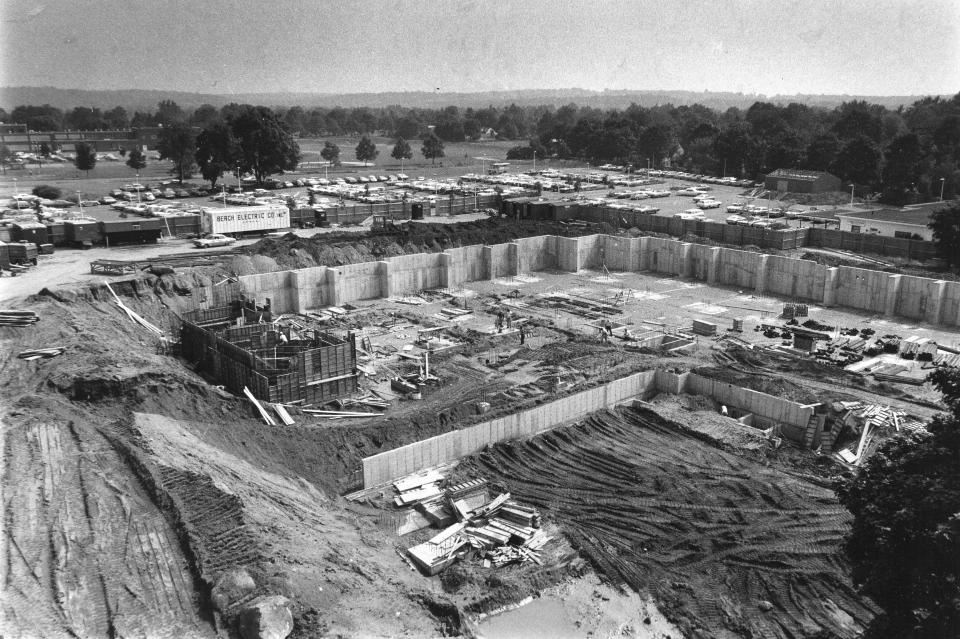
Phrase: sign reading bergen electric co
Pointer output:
(240, 219)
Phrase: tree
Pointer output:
(217, 152)
(137, 161)
(86, 157)
(5, 155)
(945, 223)
(169, 112)
(265, 142)
(177, 143)
(44, 150)
(367, 151)
(330, 153)
(858, 161)
(401, 151)
(47, 191)
(904, 544)
(432, 148)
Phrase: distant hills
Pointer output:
(146, 100)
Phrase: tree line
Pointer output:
(906, 154)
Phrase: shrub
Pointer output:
(47, 191)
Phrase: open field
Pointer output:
(139, 497)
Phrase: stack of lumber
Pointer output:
(520, 515)
(453, 314)
(40, 353)
(18, 318)
(946, 359)
(260, 409)
(417, 488)
(440, 551)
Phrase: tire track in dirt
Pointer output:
(710, 534)
(73, 561)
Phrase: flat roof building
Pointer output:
(801, 181)
(907, 223)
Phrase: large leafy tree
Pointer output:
(401, 151)
(945, 223)
(265, 141)
(859, 161)
(136, 160)
(86, 157)
(177, 143)
(905, 541)
(432, 148)
(366, 150)
(217, 152)
(331, 153)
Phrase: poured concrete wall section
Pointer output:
(799, 279)
(779, 410)
(621, 253)
(412, 273)
(568, 254)
(592, 251)
(538, 253)
(466, 265)
(701, 259)
(392, 464)
(357, 282)
(398, 462)
(738, 268)
(862, 289)
(277, 286)
(950, 306)
(663, 256)
(312, 288)
(501, 264)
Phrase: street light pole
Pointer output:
(239, 183)
(942, 182)
(534, 161)
(138, 188)
(852, 187)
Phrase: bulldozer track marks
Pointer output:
(85, 556)
(705, 530)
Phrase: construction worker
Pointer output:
(523, 335)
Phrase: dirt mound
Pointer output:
(338, 249)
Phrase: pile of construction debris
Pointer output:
(497, 531)
(871, 421)
(18, 318)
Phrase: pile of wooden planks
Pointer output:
(18, 318)
(40, 353)
(133, 315)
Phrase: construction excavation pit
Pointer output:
(494, 430)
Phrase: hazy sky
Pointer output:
(876, 47)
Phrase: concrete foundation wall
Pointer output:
(663, 256)
(392, 464)
(412, 273)
(923, 299)
(277, 286)
(592, 251)
(950, 306)
(798, 279)
(500, 261)
(398, 462)
(861, 289)
(538, 253)
(738, 268)
(357, 282)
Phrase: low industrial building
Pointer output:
(910, 223)
(801, 181)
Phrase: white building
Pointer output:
(908, 223)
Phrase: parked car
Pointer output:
(169, 194)
(106, 199)
(691, 191)
(708, 204)
(148, 196)
(89, 203)
(738, 219)
(213, 240)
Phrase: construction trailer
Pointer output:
(277, 364)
